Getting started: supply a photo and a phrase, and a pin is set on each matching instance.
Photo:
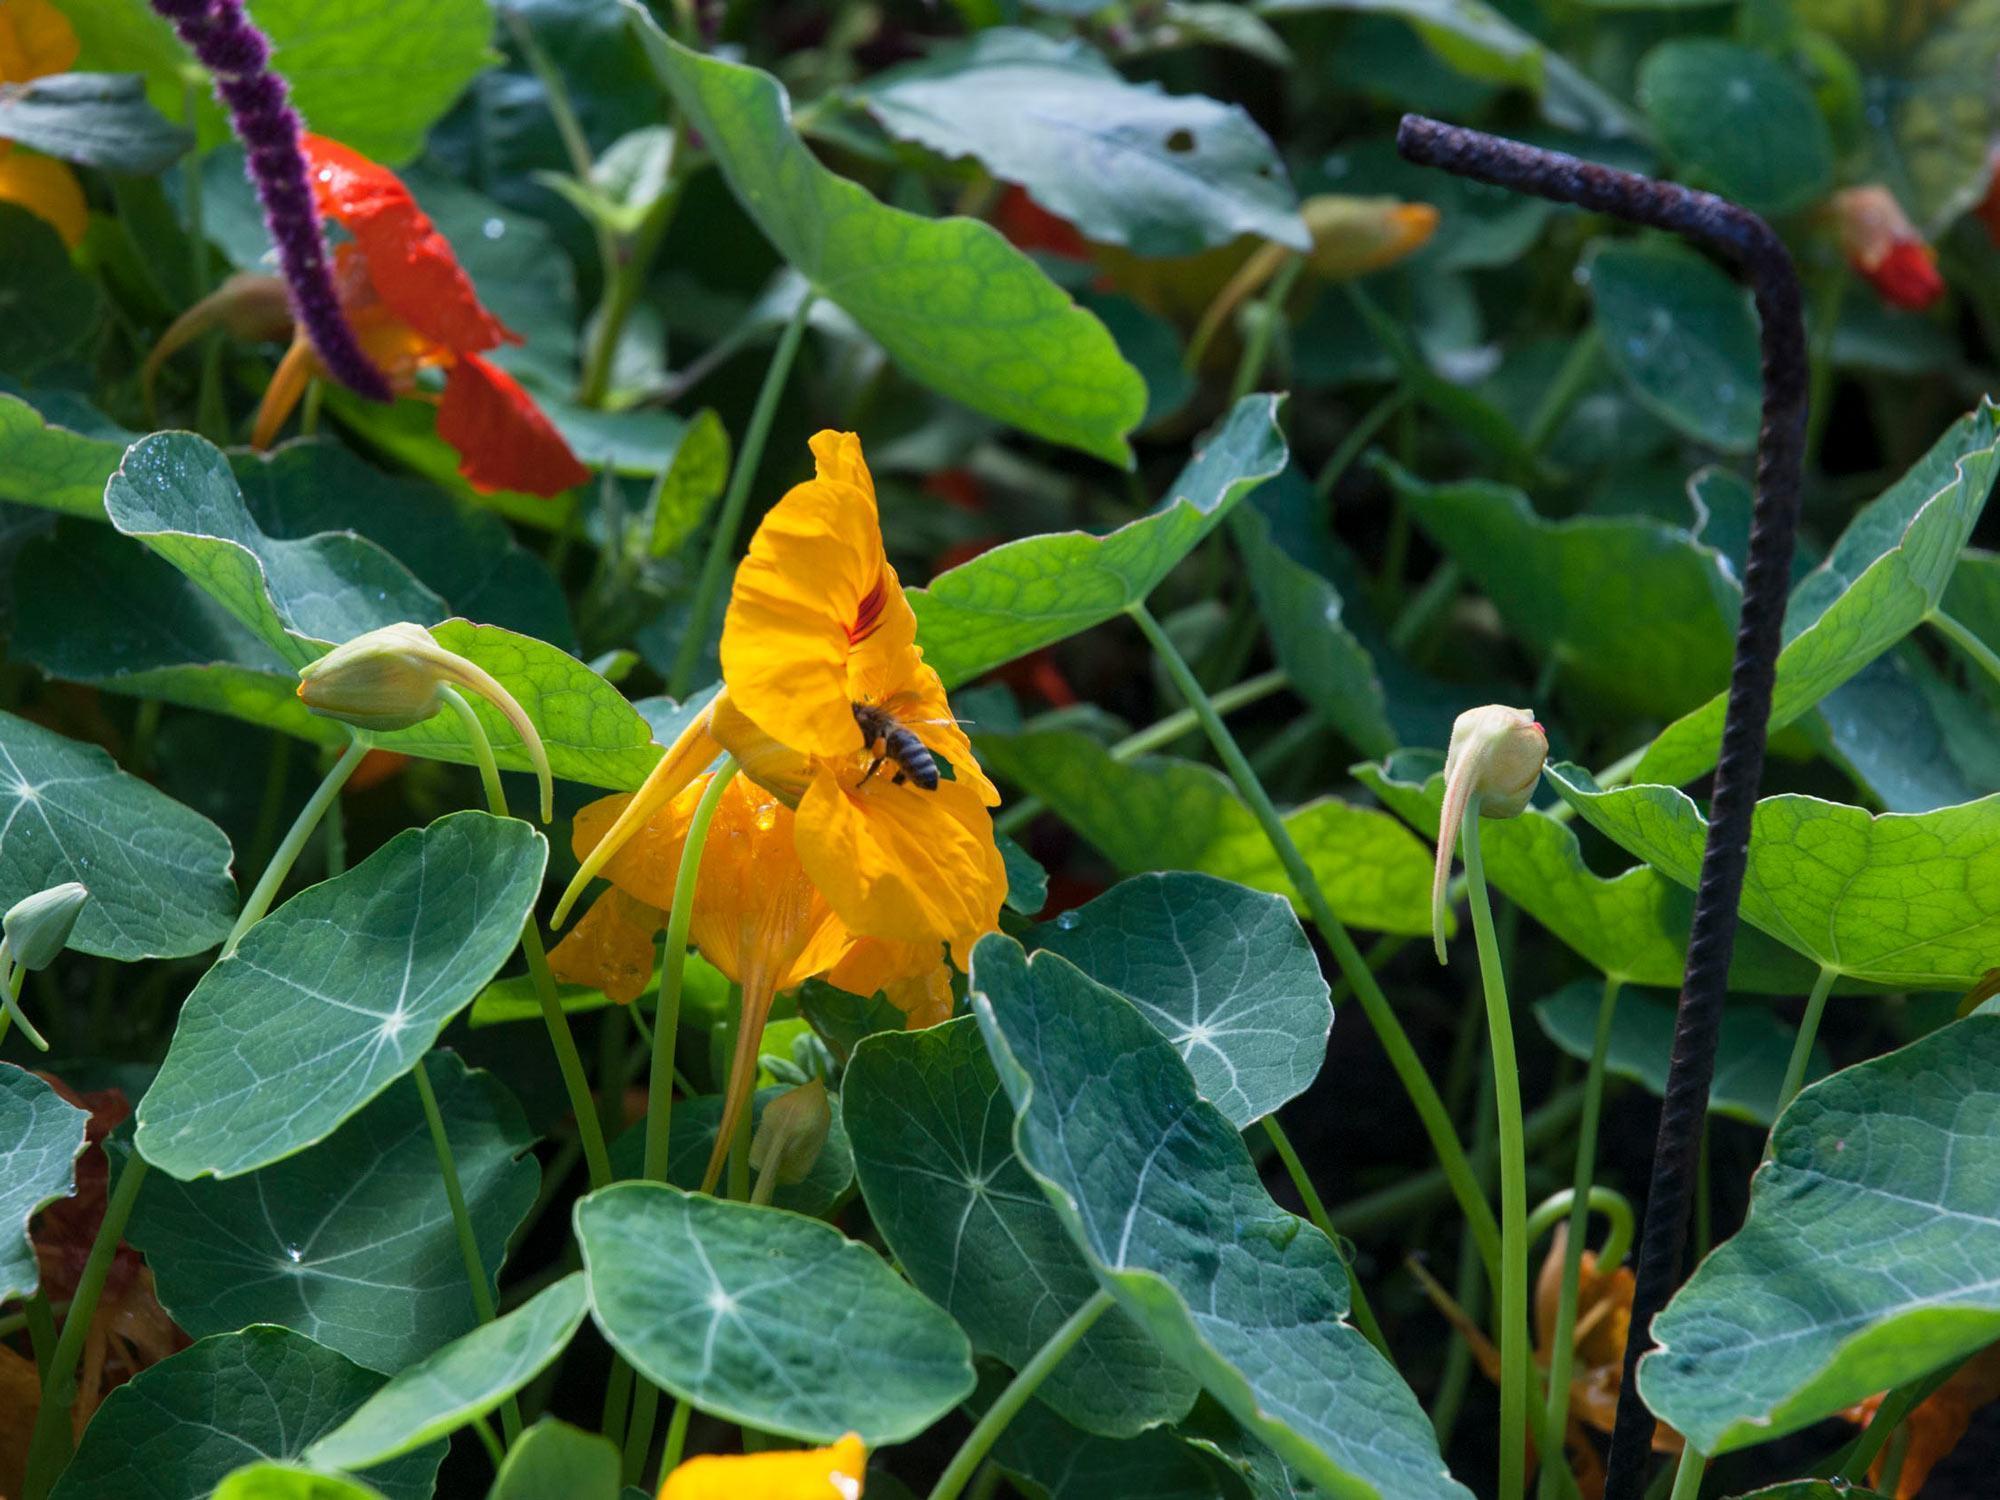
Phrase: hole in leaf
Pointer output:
(1181, 141)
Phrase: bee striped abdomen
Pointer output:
(913, 761)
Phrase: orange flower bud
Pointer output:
(1885, 248)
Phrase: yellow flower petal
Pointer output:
(814, 1474)
(815, 607)
(902, 863)
(47, 189)
(779, 769)
(913, 977)
(36, 40)
(612, 948)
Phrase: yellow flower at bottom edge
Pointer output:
(811, 1474)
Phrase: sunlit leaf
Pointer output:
(41, 1135)
(291, 1482)
(768, 1319)
(1682, 335)
(285, 1039)
(55, 463)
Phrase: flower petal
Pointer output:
(903, 863)
(411, 266)
(46, 188)
(833, 1473)
(36, 40)
(612, 948)
(504, 440)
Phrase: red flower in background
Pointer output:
(413, 308)
(1882, 244)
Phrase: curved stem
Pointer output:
(1358, 437)
(11, 977)
(1614, 1205)
(1257, 348)
(569, 1061)
(722, 543)
(966, 1461)
(288, 850)
(1388, 1029)
(48, 1449)
(1562, 1349)
(1961, 636)
(1364, 1315)
(1801, 1058)
(1514, 1356)
(461, 1221)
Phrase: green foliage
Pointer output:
(1682, 335)
(554, 1461)
(49, 306)
(1739, 123)
(44, 1135)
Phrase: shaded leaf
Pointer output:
(555, 1461)
(98, 119)
(934, 1147)
(158, 872)
(768, 1319)
(284, 1040)
(41, 1136)
(351, 1242)
(1866, 1257)
(690, 484)
(47, 306)
(691, 1140)
(1738, 122)
(1065, 1462)
(1682, 335)
(1159, 1192)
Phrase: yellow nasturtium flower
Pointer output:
(36, 40)
(812, 1474)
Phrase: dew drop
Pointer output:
(1066, 920)
(294, 1254)
(493, 228)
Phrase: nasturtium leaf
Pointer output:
(1885, 574)
(55, 463)
(41, 1135)
(1158, 1190)
(1328, 666)
(1749, 1062)
(691, 1140)
(1682, 335)
(1638, 612)
(464, 1380)
(1929, 99)
(766, 1318)
(1065, 1462)
(690, 483)
(1018, 596)
(290, 1482)
(1812, 1489)
(951, 301)
(555, 1461)
(1224, 973)
(158, 872)
(1157, 813)
(47, 306)
(1904, 899)
(1865, 1260)
(288, 1037)
(1632, 926)
(1738, 122)
(933, 1141)
(176, 1430)
(1973, 596)
(1127, 164)
(1027, 881)
(1909, 735)
(98, 119)
(351, 1242)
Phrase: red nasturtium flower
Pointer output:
(1885, 248)
(412, 308)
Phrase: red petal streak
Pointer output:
(868, 616)
(504, 440)
(410, 265)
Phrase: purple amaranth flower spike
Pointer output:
(230, 46)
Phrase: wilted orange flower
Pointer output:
(1937, 1423)
(1884, 247)
(413, 308)
(36, 40)
(810, 1474)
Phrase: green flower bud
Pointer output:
(792, 1133)
(393, 678)
(38, 926)
(1496, 757)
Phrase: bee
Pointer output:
(880, 727)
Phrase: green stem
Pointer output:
(639, 1437)
(48, 1449)
(1270, 311)
(722, 543)
(461, 1221)
(1163, 731)
(1960, 635)
(569, 1061)
(1614, 1205)
(1562, 1349)
(677, 1433)
(10, 1001)
(1795, 1069)
(496, 1454)
(287, 852)
(1364, 1315)
(1010, 1401)
(1358, 437)
(1388, 1029)
(1563, 390)
(1514, 1354)
(38, 1318)
(1687, 1478)
(621, 295)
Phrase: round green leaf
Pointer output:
(98, 119)
(1866, 1259)
(1738, 122)
(933, 1144)
(555, 1461)
(762, 1317)
(287, 1037)
(158, 872)
(350, 1242)
(1682, 336)
(289, 1482)
(1224, 973)
(41, 1135)
(460, 1382)
(176, 1430)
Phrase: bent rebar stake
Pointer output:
(1747, 242)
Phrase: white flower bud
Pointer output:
(38, 926)
(1495, 759)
